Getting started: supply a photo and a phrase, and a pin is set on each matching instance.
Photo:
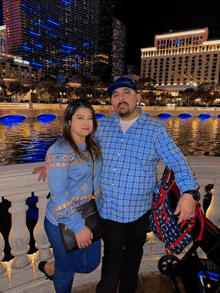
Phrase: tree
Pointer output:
(15, 87)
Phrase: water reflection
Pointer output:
(28, 141)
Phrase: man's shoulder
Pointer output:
(147, 120)
(106, 120)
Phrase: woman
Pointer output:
(70, 170)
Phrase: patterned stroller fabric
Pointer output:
(162, 221)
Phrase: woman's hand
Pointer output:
(84, 238)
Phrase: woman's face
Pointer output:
(81, 124)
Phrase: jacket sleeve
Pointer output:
(175, 160)
(57, 165)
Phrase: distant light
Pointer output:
(46, 118)
(53, 22)
(37, 64)
(27, 48)
(76, 65)
(46, 27)
(40, 8)
(86, 45)
(21, 61)
(204, 116)
(12, 119)
(67, 2)
(185, 116)
(164, 116)
(51, 63)
(27, 4)
(28, 11)
(15, 21)
(38, 46)
(52, 35)
(34, 33)
(69, 47)
(65, 51)
(99, 115)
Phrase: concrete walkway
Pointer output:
(150, 279)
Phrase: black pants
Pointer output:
(123, 250)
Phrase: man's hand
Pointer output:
(185, 207)
(43, 173)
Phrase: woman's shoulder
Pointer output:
(60, 147)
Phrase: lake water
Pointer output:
(27, 142)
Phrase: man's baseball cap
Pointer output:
(122, 82)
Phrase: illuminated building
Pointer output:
(13, 68)
(118, 48)
(2, 38)
(59, 36)
(103, 62)
(182, 59)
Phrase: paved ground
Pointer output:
(148, 283)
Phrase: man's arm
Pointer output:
(43, 173)
(175, 160)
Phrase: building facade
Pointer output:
(59, 36)
(2, 38)
(182, 59)
(13, 68)
(103, 61)
(118, 48)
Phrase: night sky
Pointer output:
(144, 19)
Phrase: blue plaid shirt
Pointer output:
(128, 176)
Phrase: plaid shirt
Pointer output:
(128, 176)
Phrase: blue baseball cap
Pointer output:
(122, 82)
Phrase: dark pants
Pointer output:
(123, 250)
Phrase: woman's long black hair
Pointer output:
(91, 146)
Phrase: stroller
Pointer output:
(197, 275)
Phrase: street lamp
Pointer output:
(32, 91)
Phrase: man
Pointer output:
(131, 145)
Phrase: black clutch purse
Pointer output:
(93, 221)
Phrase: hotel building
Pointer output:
(13, 68)
(182, 59)
(59, 36)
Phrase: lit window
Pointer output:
(15, 21)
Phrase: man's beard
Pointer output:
(124, 112)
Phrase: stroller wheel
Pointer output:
(168, 265)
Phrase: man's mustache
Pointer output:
(123, 103)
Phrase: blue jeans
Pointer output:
(67, 264)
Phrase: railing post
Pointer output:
(19, 236)
(213, 210)
(2, 255)
(42, 243)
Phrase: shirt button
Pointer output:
(118, 154)
(114, 169)
(112, 184)
(122, 139)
